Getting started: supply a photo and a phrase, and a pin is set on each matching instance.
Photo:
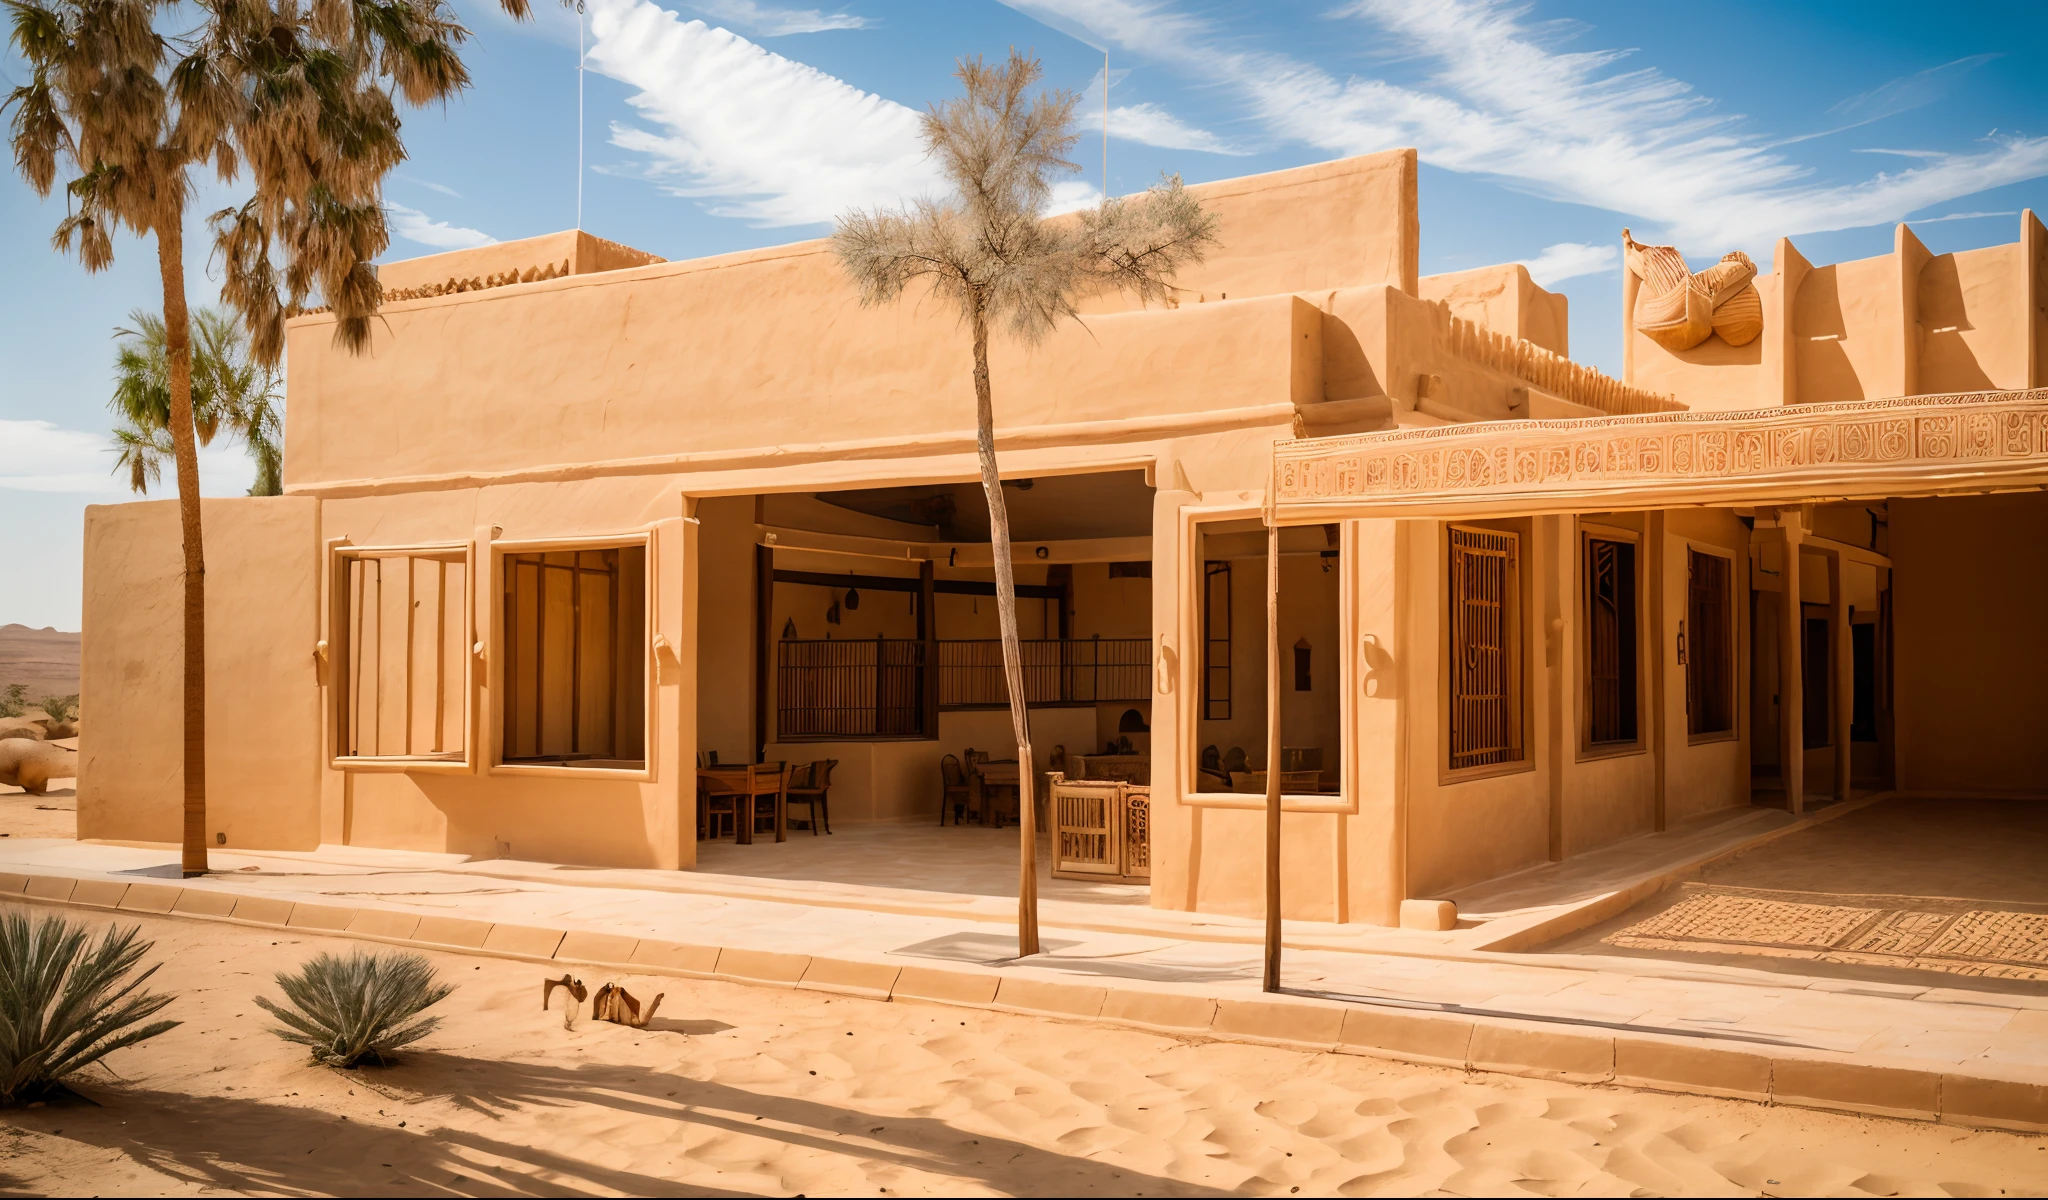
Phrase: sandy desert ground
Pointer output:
(759, 1091)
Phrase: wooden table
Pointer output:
(732, 781)
(996, 773)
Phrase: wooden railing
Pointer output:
(877, 689)
(1056, 671)
(851, 690)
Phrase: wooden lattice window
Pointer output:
(1216, 641)
(574, 661)
(403, 633)
(1709, 646)
(1485, 648)
(1610, 591)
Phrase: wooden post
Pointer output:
(928, 633)
(1844, 673)
(1272, 982)
(764, 612)
(1791, 665)
(1661, 649)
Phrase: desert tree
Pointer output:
(231, 390)
(990, 253)
(297, 100)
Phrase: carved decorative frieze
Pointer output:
(1823, 447)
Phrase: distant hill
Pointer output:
(44, 659)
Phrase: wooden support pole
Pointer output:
(928, 633)
(764, 612)
(440, 650)
(1791, 667)
(1843, 662)
(1272, 981)
(1662, 649)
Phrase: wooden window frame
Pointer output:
(1517, 656)
(1588, 749)
(1211, 570)
(650, 674)
(1189, 619)
(337, 654)
(1734, 656)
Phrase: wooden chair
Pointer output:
(811, 786)
(736, 792)
(771, 779)
(955, 793)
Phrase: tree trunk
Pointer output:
(1013, 652)
(170, 253)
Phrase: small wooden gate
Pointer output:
(1101, 829)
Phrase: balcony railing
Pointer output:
(1056, 671)
(880, 689)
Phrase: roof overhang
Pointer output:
(1913, 446)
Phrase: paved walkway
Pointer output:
(1934, 1027)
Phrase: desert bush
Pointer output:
(13, 700)
(66, 1004)
(61, 708)
(358, 1009)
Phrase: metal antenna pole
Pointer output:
(579, 114)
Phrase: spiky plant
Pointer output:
(990, 254)
(64, 1004)
(358, 1009)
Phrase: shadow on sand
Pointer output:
(251, 1145)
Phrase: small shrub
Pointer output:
(362, 1008)
(14, 700)
(64, 1004)
(60, 708)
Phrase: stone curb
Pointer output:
(1918, 1091)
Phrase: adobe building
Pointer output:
(583, 519)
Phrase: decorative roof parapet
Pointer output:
(1553, 373)
(1970, 442)
(478, 283)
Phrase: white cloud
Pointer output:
(776, 142)
(1968, 216)
(1147, 123)
(416, 226)
(1569, 260)
(1571, 126)
(42, 457)
(1072, 195)
(769, 21)
(430, 185)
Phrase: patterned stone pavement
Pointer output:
(1956, 937)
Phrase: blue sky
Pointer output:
(726, 124)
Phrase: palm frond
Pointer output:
(362, 1008)
(66, 1004)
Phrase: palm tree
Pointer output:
(230, 389)
(301, 98)
(989, 251)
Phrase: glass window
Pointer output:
(575, 657)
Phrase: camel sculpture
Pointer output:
(576, 992)
(31, 765)
(1678, 308)
(616, 1004)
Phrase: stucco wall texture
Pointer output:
(694, 407)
